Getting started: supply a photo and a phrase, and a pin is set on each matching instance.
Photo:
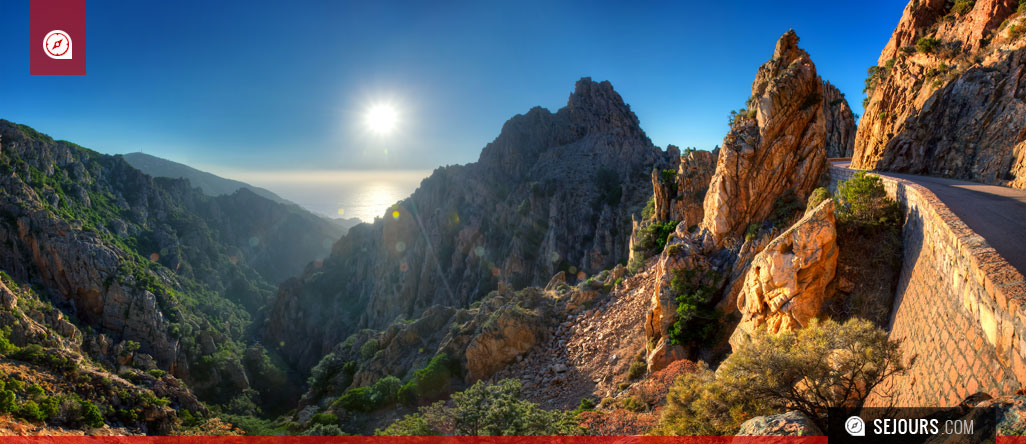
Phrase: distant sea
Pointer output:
(342, 194)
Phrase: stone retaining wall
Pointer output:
(959, 307)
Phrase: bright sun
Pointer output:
(381, 118)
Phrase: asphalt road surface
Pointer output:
(994, 212)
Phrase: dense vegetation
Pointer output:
(785, 371)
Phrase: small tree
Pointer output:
(485, 410)
(825, 365)
(864, 201)
(7, 404)
(91, 415)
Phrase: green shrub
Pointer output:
(430, 382)
(784, 371)
(1015, 31)
(864, 201)
(652, 238)
(386, 391)
(784, 208)
(132, 346)
(649, 210)
(927, 45)
(697, 319)
(324, 418)
(485, 410)
(962, 7)
(383, 393)
(632, 404)
(700, 405)
(156, 373)
(369, 348)
(324, 430)
(6, 347)
(51, 407)
(7, 404)
(30, 353)
(586, 404)
(817, 197)
(91, 415)
(637, 369)
(668, 176)
(34, 391)
(30, 410)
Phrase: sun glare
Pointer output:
(382, 118)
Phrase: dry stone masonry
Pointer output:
(959, 307)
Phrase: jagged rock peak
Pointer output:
(597, 106)
(776, 146)
(787, 49)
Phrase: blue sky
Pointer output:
(237, 86)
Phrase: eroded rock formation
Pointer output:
(947, 96)
(840, 123)
(554, 192)
(678, 193)
(776, 145)
(787, 282)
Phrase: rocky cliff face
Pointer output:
(678, 194)
(840, 123)
(774, 146)
(786, 283)
(554, 192)
(947, 97)
(148, 260)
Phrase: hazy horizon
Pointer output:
(363, 194)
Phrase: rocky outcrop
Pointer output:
(785, 424)
(840, 123)
(947, 96)
(786, 283)
(686, 264)
(678, 193)
(553, 192)
(774, 146)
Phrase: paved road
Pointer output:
(994, 212)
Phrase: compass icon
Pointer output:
(57, 44)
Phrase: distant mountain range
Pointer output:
(211, 184)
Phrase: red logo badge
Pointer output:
(58, 37)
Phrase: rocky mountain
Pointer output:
(214, 186)
(211, 184)
(149, 260)
(553, 192)
(947, 97)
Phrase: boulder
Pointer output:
(787, 282)
(785, 424)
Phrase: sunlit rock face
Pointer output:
(777, 146)
(553, 192)
(679, 196)
(947, 98)
(787, 282)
